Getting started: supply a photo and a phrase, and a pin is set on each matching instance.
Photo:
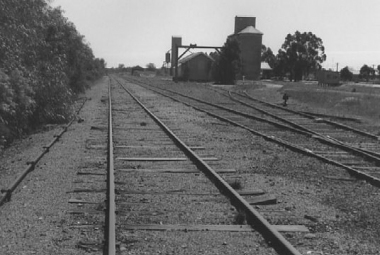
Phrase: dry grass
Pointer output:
(235, 184)
(341, 100)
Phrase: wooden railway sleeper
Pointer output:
(371, 179)
(255, 219)
(304, 131)
(318, 119)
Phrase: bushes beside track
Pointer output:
(44, 64)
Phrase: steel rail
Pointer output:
(320, 119)
(333, 123)
(32, 164)
(254, 218)
(324, 137)
(321, 138)
(359, 174)
(110, 232)
(271, 114)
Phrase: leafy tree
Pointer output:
(227, 63)
(268, 56)
(299, 54)
(346, 74)
(366, 72)
(44, 63)
(151, 67)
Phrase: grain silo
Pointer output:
(250, 40)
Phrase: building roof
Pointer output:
(265, 66)
(138, 68)
(250, 30)
(354, 71)
(193, 55)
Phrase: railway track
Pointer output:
(6, 192)
(328, 141)
(350, 136)
(170, 195)
(167, 190)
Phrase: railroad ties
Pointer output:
(167, 186)
(346, 147)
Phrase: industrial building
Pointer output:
(328, 78)
(198, 67)
(250, 41)
(195, 67)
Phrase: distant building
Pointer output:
(266, 71)
(327, 77)
(250, 40)
(355, 74)
(195, 67)
(138, 69)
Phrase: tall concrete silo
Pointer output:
(250, 41)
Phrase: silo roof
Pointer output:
(250, 30)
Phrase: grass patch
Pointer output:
(346, 100)
(235, 184)
(240, 218)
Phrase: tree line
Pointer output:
(299, 55)
(366, 72)
(44, 63)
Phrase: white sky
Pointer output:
(138, 32)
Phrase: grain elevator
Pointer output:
(250, 40)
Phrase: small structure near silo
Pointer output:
(195, 67)
(250, 41)
(266, 71)
(328, 78)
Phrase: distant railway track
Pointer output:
(297, 131)
(323, 127)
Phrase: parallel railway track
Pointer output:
(6, 193)
(289, 131)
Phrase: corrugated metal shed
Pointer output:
(193, 55)
(195, 67)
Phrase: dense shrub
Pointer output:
(227, 64)
(44, 63)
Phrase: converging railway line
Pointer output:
(166, 190)
(332, 142)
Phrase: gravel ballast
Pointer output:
(342, 216)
